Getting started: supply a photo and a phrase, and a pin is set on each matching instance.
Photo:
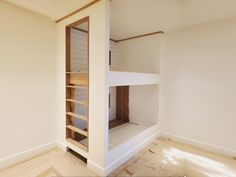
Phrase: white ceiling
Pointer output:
(134, 17)
(55, 9)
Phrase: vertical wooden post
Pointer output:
(122, 103)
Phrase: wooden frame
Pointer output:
(122, 107)
(72, 131)
(139, 36)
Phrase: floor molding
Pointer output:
(199, 144)
(61, 145)
(96, 168)
(26, 155)
(130, 153)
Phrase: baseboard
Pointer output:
(96, 168)
(130, 153)
(23, 156)
(61, 145)
(201, 145)
(104, 172)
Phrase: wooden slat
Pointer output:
(80, 79)
(77, 72)
(75, 129)
(78, 102)
(77, 144)
(77, 116)
(76, 87)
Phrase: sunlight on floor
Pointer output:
(209, 167)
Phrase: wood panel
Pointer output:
(122, 103)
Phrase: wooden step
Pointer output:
(77, 116)
(78, 102)
(78, 130)
(77, 144)
(77, 72)
(79, 79)
(76, 87)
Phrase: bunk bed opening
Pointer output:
(134, 67)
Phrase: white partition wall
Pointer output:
(143, 76)
(135, 63)
(98, 90)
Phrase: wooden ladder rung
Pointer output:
(78, 102)
(77, 144)
(77, 116)
(77, 72)
(77, 87)
(78, 130)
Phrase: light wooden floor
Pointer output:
(162, 158)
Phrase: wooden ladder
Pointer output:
(75, 135)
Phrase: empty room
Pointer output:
(118, 88)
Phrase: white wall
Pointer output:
(140, 55)
(28, 80)
(198, 84)
(98, 89)
(144, 104)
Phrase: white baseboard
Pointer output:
(23, 156)
(61, 145)
(96, 168)
(199, 144)
(130, 153)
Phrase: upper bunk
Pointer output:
(119, 78)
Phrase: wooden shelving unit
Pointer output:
(77, 96)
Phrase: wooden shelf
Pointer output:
(76, 87)
(78, 102)
(79, 79)
(77, 116)
(78, 130)
(77, 72)
(77, 144)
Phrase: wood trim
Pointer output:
(78, 10)
(122, 103)
(76, 143)
(125, 39)
(113, 40)
(82, 20)
(77, 130)
(109, 57)
(115, 123)
(143, 35)
(81, 30)
(88, 81)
